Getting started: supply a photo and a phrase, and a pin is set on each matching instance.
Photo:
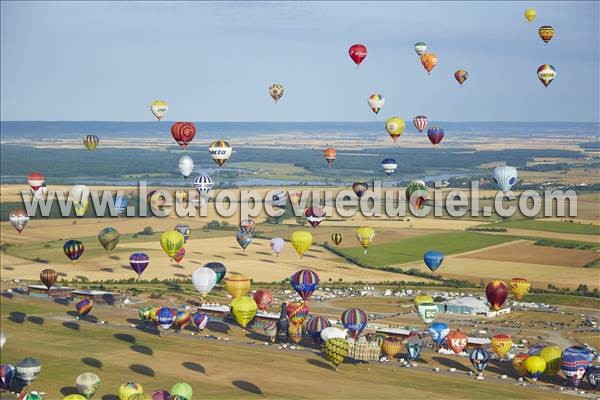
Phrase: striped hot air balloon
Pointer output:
(182, 319)
(84, 307)
(200, 320)
(479, 359)
(297, 312)
(391, 346)
(337, 238)
(73, 249)
(203, 184)
(237, 285)
(546, 33)
(355, 320)
(305, 282)
(91, 142)
(420, 122)
(315, 326)
(35, 180)
(48, 277)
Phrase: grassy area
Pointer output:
(413, 248)
(563, 300)
(550, 226)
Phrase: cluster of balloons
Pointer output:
(545, 72)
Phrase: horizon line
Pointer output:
(304, 122)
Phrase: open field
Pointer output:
(551, 226)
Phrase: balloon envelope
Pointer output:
(433, 259)
(496, 293)
(204, 280)
(243, 309)
(301, 241)
(355, 321)
(357, 53)
(505, 177)
(18, 219)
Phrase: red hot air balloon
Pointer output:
(36, 180)
(357, 53)
(457, 341)
(314, 215)
(420, 122)
(496, 292)
(183, 133)
(263, 299)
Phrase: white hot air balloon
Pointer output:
(87, 384)
(277, 245)
(204, 280)
(220, 151)
(186, 166)
(333, 332)
(505, 177)
(19, 219)
(203, 184)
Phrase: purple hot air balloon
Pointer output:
(84, 307)
(160, 395)
(435, 135)
(7, 374)
(139, 262)
(200, 320)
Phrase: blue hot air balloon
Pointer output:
(575, 363)
(355, 320)
(305, 282)
(433, 259)
(479, 358)
(165, 317)
(389, 166)
(7, 375)
(438, 332)
(505, 177)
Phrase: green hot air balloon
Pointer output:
(109, 238)
(182, 391)
(336, 349)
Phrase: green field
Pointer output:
(412, 249)
(550, 226)
(563, 300)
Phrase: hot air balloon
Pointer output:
(314, 215)
(203, 184)
(91, 142)
(329, 155)
(457, 341)
(247, 226)
(357, 53)
(152, 314)
(120, 205)
(505, 177)
(427, 312)
(7, 375)
(128, 389)
(186, 166)
(28, 369)
(220, 151)
(355, 320)
(263, 299)
(496, 292)
(73, 249)
(165, 317)
(295, 333)
(270, 329)
(80, 196)
(391, 346)
(365, 235)
(546, 74)
(376, 102)
(18, 219)
(296, 312)
(144, 313)
(171, 242)
(183, 133)
(48, 277)
(535, 366)
(394, 127)
(501, 344)
(87, 384)
(276, 245)
(422, 298)
(574, 364)
(552, 355)
(337, 238)
(109, 238)
(433, 259)
(243, 309)
(546, 33)
(530, 14)
(414, 345)
(593, 376)
(185, 230)
(333, 332)
(389, 166)
(179, 255)
(276, 91)
(282, 323)
(579, 350)
(519, 287)
(336, 349)
(204, 280)
(438, 332)
(159, 108)
(461, 76)
(200, 320)
(420, 122)
(237, 285)
(429, 61)
(244, 239)
(181, 391)
(435, 135)
(219, 269)
(360, 188)
(84, 307)
(416, 194)
(35, 180)
(182, 319)
(479, 359)
(301, 241)
(315, 326)
(143, 396)
(305, 282)
(518, 363)
(420, 48)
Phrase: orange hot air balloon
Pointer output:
(501, 344)
(391, 346)
(457, 341)
(429, 61)
(517, 363)
(546, 33)
(329, 155)
(519, 287)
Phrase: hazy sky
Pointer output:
(215, 61)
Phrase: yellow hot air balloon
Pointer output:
(530, 14)
(365, 235)
(391, 346)
(519, 287)
(552, 355)
(422, 298)
(152, 313)
(243, 309)
(159, 108)
(74, 397)
(171, 242)
(517, 363)
(535, 366)
(237, 285)
(128, 389)
(301, 241)
(501, 344)
(395, 127)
